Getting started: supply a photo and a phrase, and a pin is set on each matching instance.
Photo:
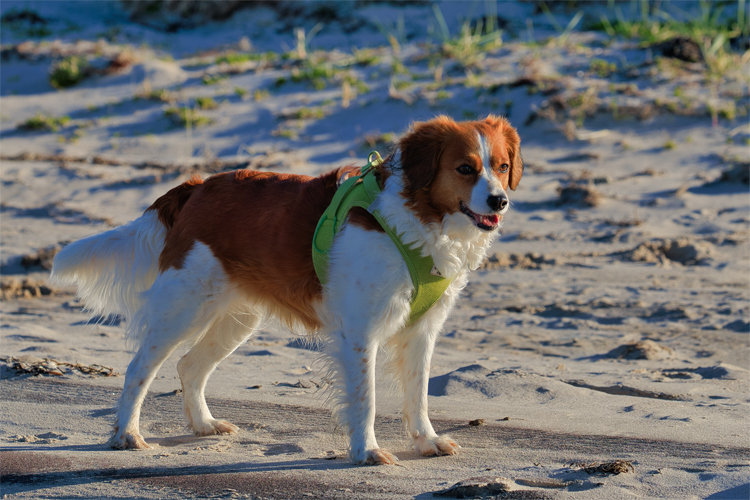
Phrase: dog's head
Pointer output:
(466, 167)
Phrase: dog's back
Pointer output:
(267, 259)
(260, 226)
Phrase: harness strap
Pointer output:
(361, 191)
(346, 197)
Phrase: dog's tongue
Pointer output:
(488, 220)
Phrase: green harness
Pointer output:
(361, 191)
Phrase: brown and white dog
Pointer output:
(209, 260)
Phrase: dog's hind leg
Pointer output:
(179, 307)
(222, 338)
(139, 376)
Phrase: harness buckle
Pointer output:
(376, 162)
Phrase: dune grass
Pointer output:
(471, 44)
(206, 102)
(187, 117)
(45, 122)
(68, 72)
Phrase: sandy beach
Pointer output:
(603, 349)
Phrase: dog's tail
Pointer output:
(113, 269)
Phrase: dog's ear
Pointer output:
(422, 148)
(513, 144)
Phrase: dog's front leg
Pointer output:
(356, 357)
(368, 302)
(413, 352)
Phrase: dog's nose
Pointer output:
(497, 203)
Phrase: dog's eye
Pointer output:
(503, 168)
(465, 169)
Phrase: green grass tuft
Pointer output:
(308, 114)
(261, 95)
(366, 57)
(317, 73)
(402, 84)
(602, 68)
(242, 57)
(162, 95)
(206, 103)
(187, 117)
(213, 79)
(472, 44)
(68, 72)
(360, 86)
(443, 94)
(43, 122)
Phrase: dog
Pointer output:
(211, 259)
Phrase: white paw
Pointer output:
(128, 441)
(436, 446)
(213, 426)
(377, 456)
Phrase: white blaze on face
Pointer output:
(488, 184)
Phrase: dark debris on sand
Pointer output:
(604, 468)
(24, 289)
(49, 366)
(583, 195)
(41, 258)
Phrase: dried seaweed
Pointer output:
(604, 468)
(50, 366)
(476, 487)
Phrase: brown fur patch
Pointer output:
(168, 206)
(260, 226)
(364, 219)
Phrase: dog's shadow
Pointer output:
(243, 476)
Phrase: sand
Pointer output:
(610, 324)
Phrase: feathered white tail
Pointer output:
(113, 268)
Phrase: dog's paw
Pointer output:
(128, 441)
(437, 446)
(377, 456)
(214, 426)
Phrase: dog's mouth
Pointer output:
(483, 222)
